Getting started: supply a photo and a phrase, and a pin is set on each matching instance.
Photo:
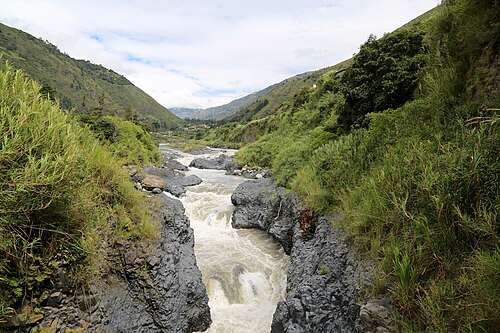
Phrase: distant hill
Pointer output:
(274, 96)
(80, 85)
(220, 112)
(268, 101)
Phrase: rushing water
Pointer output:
(244, 270)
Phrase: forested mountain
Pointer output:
(80, 85)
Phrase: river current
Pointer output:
(244, 271)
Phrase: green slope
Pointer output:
(80, 86)
(404, 144)
(273, 99)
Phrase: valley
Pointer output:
(360, 197)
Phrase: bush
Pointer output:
(384, 75)
(58, 190)
(128, 142)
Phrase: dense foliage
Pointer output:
(382, 76)
(59, 190)
(418, 182)
(129, 142)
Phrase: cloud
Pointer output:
(201, 53)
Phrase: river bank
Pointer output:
(233, 255)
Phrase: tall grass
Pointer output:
(419, 187)
(59, 189)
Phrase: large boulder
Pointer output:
(217, 163)
(150, 182)
(261, 204)
(175, 181)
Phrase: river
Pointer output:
(244, 271)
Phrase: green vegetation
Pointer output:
(405, 144)
(80, 86)
(129, 142)
(62, 194)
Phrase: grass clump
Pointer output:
(60, 190)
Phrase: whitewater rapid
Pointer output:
(244, 271)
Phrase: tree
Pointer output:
(383, 75)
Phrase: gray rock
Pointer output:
(324, 275)
(174, 165)
(322, 284)
(175, 182)
(376, 315)
(153, 287)
(260, 204)
(218, 163)
(167, 296)
(156, 190)
(150, 182)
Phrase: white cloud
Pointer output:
(201, 53)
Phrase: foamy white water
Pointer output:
(244, 270)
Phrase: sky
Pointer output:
(203, 53)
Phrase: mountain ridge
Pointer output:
(79, 85)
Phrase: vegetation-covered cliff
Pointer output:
(404, 143)
(61, 189)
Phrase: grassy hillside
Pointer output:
(80, 85)
(60, 189)
(404, 143)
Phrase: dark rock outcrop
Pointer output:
(324, 275)
(161, 291)
(218, 163)
(154, 287)
(260, 204)
(322, 285)
(174, 165)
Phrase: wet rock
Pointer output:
(261, 204)
(167, 296)
(324, 275)
(174, 165)
(156, 190)
(218, 163)
(176, 182)
(151, 182)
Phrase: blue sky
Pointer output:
(204, 53)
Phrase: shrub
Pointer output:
(128, 142)
(384, 75)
